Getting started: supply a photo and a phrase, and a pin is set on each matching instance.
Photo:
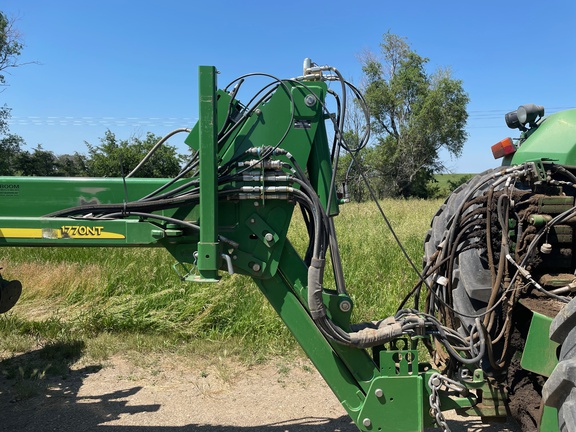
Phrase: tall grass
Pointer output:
(92, 293)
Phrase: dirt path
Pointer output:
(173, 395)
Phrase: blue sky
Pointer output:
(131, 66)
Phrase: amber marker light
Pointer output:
(503, 148)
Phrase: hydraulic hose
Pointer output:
(156, 147)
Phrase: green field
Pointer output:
(116, 300)
(446, 183)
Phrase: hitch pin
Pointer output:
(224, 256)
(228, 263)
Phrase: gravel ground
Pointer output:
(175, 395)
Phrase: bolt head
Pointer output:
(379, 393)
(269, 237)
(345, 306)
(366, 422)
(256, 267)
(310, 100)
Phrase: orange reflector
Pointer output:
(503, 148)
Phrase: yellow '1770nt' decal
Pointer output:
(81, 231)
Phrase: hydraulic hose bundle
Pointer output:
(487, 221)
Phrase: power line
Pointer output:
(108, 121)
(101, 121)
(500, 113)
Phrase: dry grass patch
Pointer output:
(42, 280)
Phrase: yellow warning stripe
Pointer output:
(55, 233)
(21, 232)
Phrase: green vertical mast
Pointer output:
(208, 255)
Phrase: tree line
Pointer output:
(113, 157)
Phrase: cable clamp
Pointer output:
(442, 280)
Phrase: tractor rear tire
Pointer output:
(471, 276)
(560, 389)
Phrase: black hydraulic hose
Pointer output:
(316, 217)
(248, 111)
(332, 241)
(339, 134)
(172, 192)
(122, 215)
(317, 213)
(562, 170)
(336, 259)
(362, 102)
(190, 166)
(130, 206)
(156, 147)
(279, 83)
(228, 120)
(446, 305)
(310, 229)
(457, 247)
(335, 142)
(168, 219)
(443, 338)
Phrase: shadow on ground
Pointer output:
(40, 392)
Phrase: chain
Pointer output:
(435, 382)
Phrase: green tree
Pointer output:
(10, 49)
(114, 157)
(71, 165)
(10, 149)
(39, 162)
(414, 115)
